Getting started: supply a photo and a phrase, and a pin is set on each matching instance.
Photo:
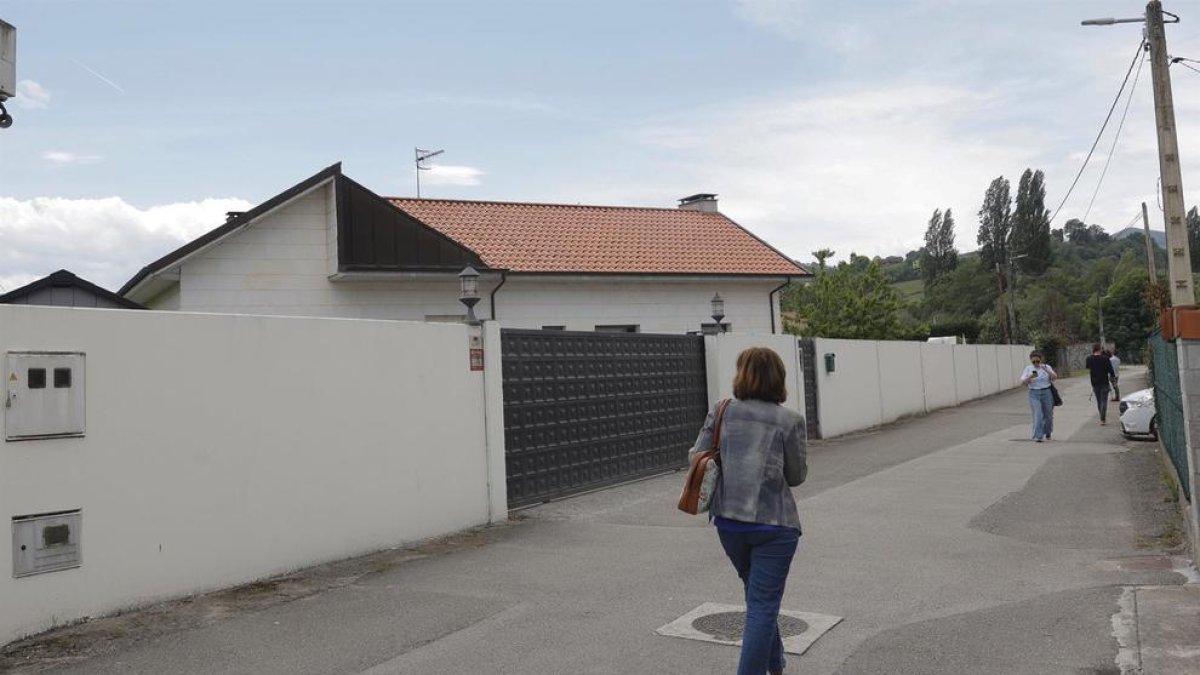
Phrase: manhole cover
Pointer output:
(728, 625)
(722, 624)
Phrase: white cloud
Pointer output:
(451, 175)
(857, 169)
(60, 157)
(103, 240)
(31, 95)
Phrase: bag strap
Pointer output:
(716, 442)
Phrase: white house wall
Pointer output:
(222, 449)
(281, 264)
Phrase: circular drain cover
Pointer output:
(728, 625)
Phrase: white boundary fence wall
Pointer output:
(221, 449)
(875, 383)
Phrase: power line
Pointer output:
(1191, 68)
(1116, 100)
(1116, 137)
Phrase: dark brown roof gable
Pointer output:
(63, 279)
(231, 225)
(374, 235)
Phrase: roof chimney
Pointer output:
(703, 202)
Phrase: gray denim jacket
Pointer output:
(763, 454)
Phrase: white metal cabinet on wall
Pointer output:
(44, 395)
(46, 543)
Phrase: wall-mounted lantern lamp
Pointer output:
(830, 366)
(718, 312)
(468, 291)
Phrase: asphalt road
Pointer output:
(950, 544)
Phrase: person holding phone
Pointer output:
(1038, 376)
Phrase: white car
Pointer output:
(1138, 414)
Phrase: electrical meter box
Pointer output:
(47, 542)
(8, 60)
(44, 395)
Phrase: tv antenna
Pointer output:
(421, 156)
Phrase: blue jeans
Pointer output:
(762, 561)
(1101, 393)
(1042, 402)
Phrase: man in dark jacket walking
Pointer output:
(1101, 370)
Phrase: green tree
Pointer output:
(1128, 318)
(1030, 235)
(822, 255)
(939, 255)
(995, 221)
(847, 302)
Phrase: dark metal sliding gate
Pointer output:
(584, 410)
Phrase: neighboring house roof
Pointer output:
(565, 238)
(64, 289)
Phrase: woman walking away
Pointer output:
(762, 456)
(1038, 376)
(1100, 366)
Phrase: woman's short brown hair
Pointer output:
(760, 375)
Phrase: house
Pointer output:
(64, 289)
(330, 247)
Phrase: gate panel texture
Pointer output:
(808, 360)
(585, 410)
(1168, 403)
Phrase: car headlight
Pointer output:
(1123, 407)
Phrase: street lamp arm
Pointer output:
(1108, 21)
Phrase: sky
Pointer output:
(139, 123)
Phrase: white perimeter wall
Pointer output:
(875, 383)
(281, 265)
(721, 352)
(223, 449)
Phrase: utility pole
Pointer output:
(1012, 293)
(1012, 300)
(1149, 247)
(1003, 315)
(1179, 260)
(1100, 311)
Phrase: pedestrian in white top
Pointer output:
(1116, 363)
(1038, 376)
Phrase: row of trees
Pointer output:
(1054, 278)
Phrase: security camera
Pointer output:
(5, 118)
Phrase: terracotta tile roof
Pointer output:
(600, 239)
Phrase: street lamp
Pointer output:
(718, 311)
(468, 291)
